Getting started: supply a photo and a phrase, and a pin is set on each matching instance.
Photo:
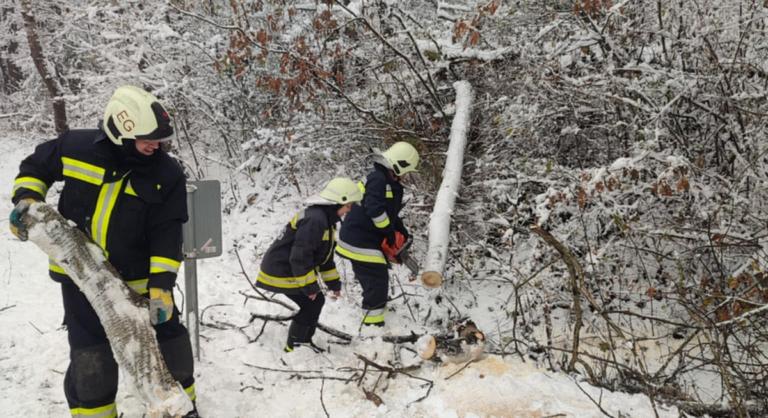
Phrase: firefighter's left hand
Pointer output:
(14, 220)
(160, 305)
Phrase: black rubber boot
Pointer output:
(192, 414)
(298, 334)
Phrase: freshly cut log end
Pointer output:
(432, 279)
(426, 346)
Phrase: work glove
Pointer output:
(391, 238)
(160, 305)
(17, 226)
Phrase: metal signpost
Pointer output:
(202, 239)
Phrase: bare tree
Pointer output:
(47, 73)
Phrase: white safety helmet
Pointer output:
(341, 190)
(402, 158)
(133, 113)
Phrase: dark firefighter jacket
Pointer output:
(292, 263)
(366, 225)
(132, 209)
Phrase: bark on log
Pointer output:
(440, 221)
(123, 313)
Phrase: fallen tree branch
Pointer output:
(394, 371)
(577, 277)
(574, 267)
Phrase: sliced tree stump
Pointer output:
(465, 343)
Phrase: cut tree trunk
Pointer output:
(440, 220)
(123, 313)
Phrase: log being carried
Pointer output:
(122, 311)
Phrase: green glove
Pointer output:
(160, 305)
(17, 226)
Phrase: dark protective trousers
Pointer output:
(304, 323)
(374, 279)
(91, 379)
(309, 310)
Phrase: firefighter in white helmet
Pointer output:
(129, 197)
(373, 231)
(304, 253)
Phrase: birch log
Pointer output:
(440, 220)
(123, 313)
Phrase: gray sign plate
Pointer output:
(202, 233)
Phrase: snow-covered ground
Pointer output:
(240, 375)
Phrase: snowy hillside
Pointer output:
(242, 370)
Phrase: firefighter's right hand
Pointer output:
(391, 250)
(17, 226)
(160, 305)
(391, 238)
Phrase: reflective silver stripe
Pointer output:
(373, 316)
(159, 264)
(374, 312)
(30, 183)
(381, 221)
(287, 282)
(138, 285)
(83, 171)
(367, 255)
(104, 207)
(329, 275)
(129, 189)
(388, 193)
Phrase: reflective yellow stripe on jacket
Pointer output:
(159, 264)
(104, 207)
(381, 221)
(52, 266)
(330, 275)
(388, 193)
(366, 255)
(30, 183)
(81, 170)
(129, 189)
(287, 282)
(139, 285)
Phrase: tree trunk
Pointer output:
(123, 313)
(43, 68)
(440, 221)
(10, 73)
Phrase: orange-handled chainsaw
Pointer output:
(399, 253)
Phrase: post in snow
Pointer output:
(440, 220)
